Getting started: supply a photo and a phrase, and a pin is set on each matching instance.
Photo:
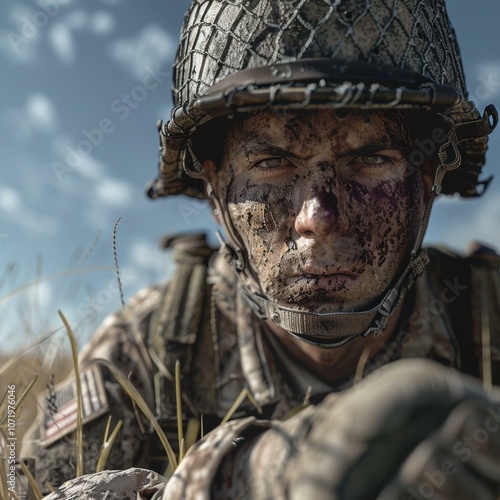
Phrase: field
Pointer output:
(17, 372)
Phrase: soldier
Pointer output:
(300, 122)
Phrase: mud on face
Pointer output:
(327, 208)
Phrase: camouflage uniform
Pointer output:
(231, 349)
(237, 57)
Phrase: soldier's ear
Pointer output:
(210, 170)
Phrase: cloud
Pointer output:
(485, 85)
(33, 222)
(44, 294)
(150, 48)
(114, 192)
(91, 169)
(41, 111)
(10, 200)
(29, 26)
(145, 255)
(102, 23)
(77, 20)
(17, 49)
(37, 115)
(61, 40)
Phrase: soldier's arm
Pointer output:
(411, 426)
(51, 439)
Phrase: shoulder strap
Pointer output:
(473, 285)
(175, 327)
(456, 292)
(485, 307)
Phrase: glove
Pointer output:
(412, 430)
(404, 432)
(460, 461)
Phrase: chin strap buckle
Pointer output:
(419, 262)
(233, 256)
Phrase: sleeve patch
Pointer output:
(60, 405)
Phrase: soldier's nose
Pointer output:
(319, 214)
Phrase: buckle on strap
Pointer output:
(419, 263)
(481, 127)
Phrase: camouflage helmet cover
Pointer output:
(243, 55)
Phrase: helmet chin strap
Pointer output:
(334, 329)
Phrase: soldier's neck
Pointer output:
(336, 364)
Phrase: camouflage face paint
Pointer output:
(327, 208)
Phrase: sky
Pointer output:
(78, 113)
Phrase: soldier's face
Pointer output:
(327, 209)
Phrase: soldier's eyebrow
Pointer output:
(259, 144)
(375, 147)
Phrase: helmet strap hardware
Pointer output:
(233, 255)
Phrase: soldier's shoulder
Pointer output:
(474, 281)
(124, 326)
(477, 255)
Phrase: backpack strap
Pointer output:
(179, 319)
(485, 306)
(473, 283)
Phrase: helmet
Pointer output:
(243, 55)
(237, 56)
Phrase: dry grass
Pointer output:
(23, 370)
(21, 374)
(45, 362)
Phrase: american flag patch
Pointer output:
(60, 404)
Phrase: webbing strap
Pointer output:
(339, 325)
(481, 127)
(178, 320)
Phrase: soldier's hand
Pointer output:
(414, 430)
(459, 461)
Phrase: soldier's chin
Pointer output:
(326, 305)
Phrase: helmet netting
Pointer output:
(221, 38)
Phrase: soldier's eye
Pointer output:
(271, 163)
(372, 159)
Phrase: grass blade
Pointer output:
(192, 432)
(31, 481)
(106, 430)
(107, 445)
(79, 421)
(3, 476)
(25, 393)
(52, 277)
(178, 404)
(14, 360)
(142, 405)
(245, 393)
(20, 400)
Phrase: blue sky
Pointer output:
(80, 76)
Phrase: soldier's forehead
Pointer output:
(266, 126)
(256, 119)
